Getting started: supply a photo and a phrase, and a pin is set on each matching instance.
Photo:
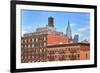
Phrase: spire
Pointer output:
(68, 31)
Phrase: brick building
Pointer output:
(75, 51)
(47, 47)
(47, 44)
(33, 48)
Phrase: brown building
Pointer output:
(33, 48)
(47, 44)
(47, 47)
(74, 51)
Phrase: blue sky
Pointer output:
(79, 22)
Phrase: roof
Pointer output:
(71, 44)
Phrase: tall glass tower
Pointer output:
(76, 38)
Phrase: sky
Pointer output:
(79, 22)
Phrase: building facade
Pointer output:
(47, 47)
(33, 48)
(62, 52)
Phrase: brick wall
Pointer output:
(55, 39)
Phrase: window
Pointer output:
(78, 55)
(29, 46)
(36, 45)
(44, 50)
(68, 49)
(25, 57)
(25, 41)
(28, 40)
(44, 43)
(32, 45)
(41, 50)
(36, 39)
(32, 39)
(44, 38)
(41, 54)
(40, 44)
(32, 56)
(25, 46)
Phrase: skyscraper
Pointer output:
(76, 38)
(68, 31)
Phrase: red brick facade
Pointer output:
(75, 51)
(55, 39)
(47, 47)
